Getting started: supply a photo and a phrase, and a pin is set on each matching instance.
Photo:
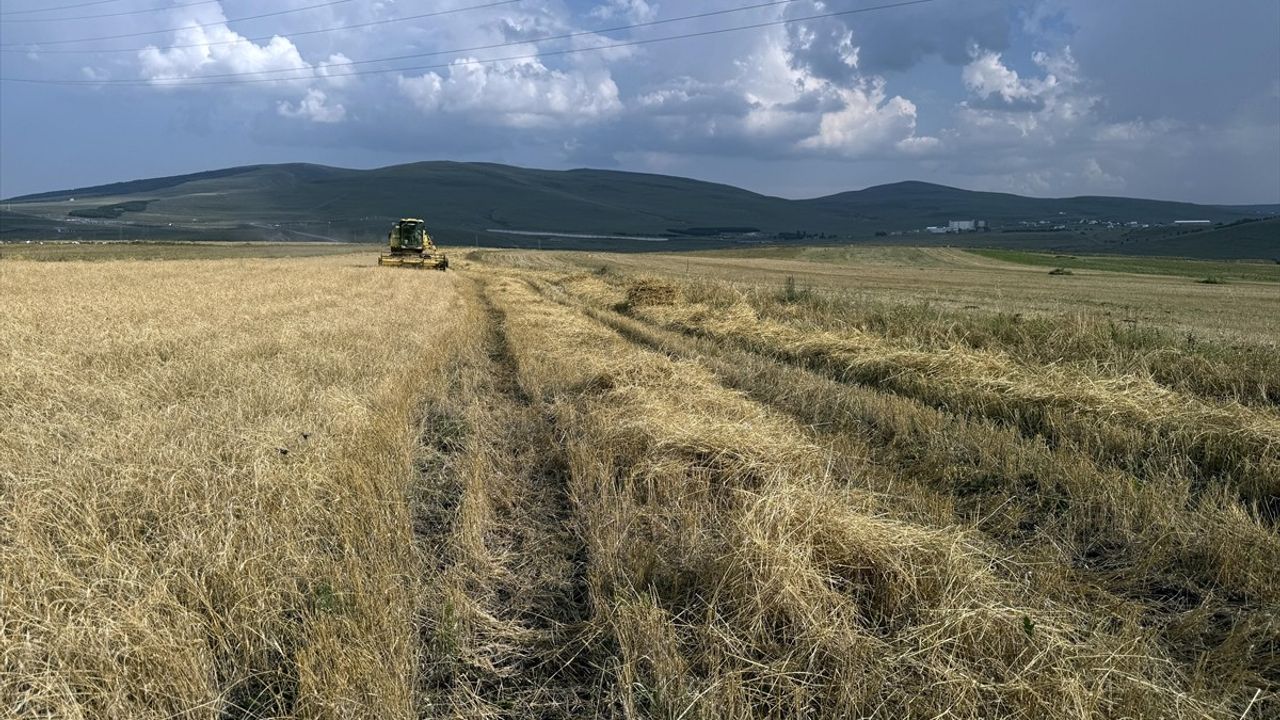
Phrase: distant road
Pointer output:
(576, 236)
(297, 232)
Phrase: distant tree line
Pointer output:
(713, 231)
(110, 212)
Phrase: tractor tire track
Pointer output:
(504, 595)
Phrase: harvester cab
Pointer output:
(410, 245)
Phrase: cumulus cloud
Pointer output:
(868, 122)
(313, 107)
(211, 47)
(945, 91)
(635, 11)
(1041, 132)
(838, 48)
(336, 70)
(853, 118)
(1068, 176)
(987, 77)
(770, 107)
(205, 45)
(1003, 103)
(519, 94)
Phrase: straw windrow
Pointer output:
(737, 580)
(1126, 420)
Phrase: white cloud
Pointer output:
(313, 107)
(1066, 177)
(987, 76)
(852, 118)
(853, 45)
(868, 123)
(1005, 107)
(205, 46)
(336, 70)
(521, 94)
(1042, 133)
(833, 90)
(636, 11)
(216, 50)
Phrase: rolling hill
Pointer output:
(487, 203)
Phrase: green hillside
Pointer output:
(1258, 270)
(1253, 239)
(931, 204)
(498, 204)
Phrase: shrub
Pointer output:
(792, 293)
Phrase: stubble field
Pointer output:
(895, 484)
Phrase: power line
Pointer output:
(175, 29)
(261, 38)
(185, 82)
(114, 14)
(60, 7)
(493, 46)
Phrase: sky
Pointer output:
(1168, 99)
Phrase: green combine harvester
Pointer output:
(411, 246)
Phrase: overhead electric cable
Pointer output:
(495, 46)
(175, 29)
(261, 38)
(60, 7)
(122, 13)
(187, 82)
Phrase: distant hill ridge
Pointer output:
(464, 200)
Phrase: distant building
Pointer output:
(1192, 222)
(960, 226)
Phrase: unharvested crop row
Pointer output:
(1189, 362)
(1126, 421)
(1197, 361)
(734, 577)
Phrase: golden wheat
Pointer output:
(203, 469)
(310, 488)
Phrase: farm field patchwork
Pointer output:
(1261, 270)
(953, 279)
(889, 482)
(64, 251)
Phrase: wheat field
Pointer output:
(564, 485)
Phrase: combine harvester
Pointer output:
(411, 246)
